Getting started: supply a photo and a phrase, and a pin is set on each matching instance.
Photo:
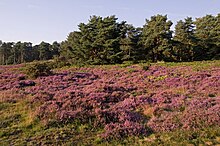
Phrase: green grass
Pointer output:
(196, 65)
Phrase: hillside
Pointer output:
(161, 103)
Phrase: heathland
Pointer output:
(125, 104)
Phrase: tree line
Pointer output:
(21, 52)
(107, 41)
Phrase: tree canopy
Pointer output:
(104, 40)
(156, 37)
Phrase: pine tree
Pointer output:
(44, 51)
(129, 43)
(97, 42)
(207, 33)
(184, 40)
(156, 37)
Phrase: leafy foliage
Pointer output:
(38, 69)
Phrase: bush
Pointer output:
(146, 66)
(127, 63)
(38, 69)
(59, 62)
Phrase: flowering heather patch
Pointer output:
(125, 101)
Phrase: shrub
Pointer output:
(146, 66)
(59, 62)
(127, 63)
(38, 69)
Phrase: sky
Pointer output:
(52, 20)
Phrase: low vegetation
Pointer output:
(142, 104)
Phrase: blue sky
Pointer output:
(53, 20)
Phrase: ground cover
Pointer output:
(164, 103)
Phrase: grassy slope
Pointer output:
(19, 127)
